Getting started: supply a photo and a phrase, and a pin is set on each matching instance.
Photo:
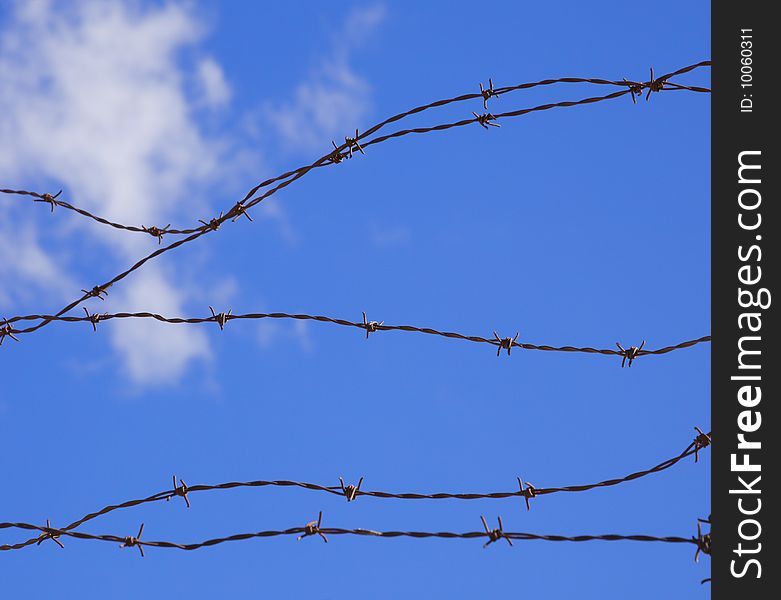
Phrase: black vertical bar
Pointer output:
(744, 269)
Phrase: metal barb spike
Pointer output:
(370, 326)
(630, 353)
(221, 318)
(156, 232)
(505, 343)
(488, 93)
(48, 535)
(180, 490)
(494, 535)
(131, 541)
(350, 491)
(213, 224)
(52, 200)
(353, 142)
(313, 528)
(485, 120)
(241, 210)
(529, 492)
(703, 440)
(7, 330)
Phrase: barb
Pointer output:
(352, 142)
(529, 492)
(352, 492)
(703, 541)
(94, 318)
(703, 440)
(240, 211)
(494, 535)
(485, 120)
(212, 224)
(157, 232)
(49, 536)
(289, 177)
(7, 330)
(221, 318)
(181, 490)
(505, 343)
(488, 93)
(336, 156)
(48, 198)
(630, 353)
(131, 541)
(99, 292)
(311, 528)
(369, 326)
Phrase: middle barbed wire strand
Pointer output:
(372, 326)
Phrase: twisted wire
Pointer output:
(159, 232)
(700, 442)
(223, 318)
(52, 532)
(339, 154)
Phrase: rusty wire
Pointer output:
(223, 318)
(315, 527)
(632, 87)
(352, 492)
(344, 151)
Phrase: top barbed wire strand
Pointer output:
(337, 155)
(352, 492)
(158, 232)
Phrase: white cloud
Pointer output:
(334, 99)
(155, 352)
(26, 269)
(215, 88)
(94, 97)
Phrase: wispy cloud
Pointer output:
(94, 96)
(156, 353)
(26, 269)
(97, 98)
(333, 99)
(214, 86)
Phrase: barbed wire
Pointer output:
(526, 490)
(345, 151)
(701, 541)
(633, 87)
(222, 318)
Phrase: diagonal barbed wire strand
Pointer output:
(158, 232)
(340, 153)
(369, 326)
(701, 441)
(314, 528)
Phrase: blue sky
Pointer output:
(581, 226)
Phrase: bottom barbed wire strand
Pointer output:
(310, 528)
(700, 442)
(369, 326)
